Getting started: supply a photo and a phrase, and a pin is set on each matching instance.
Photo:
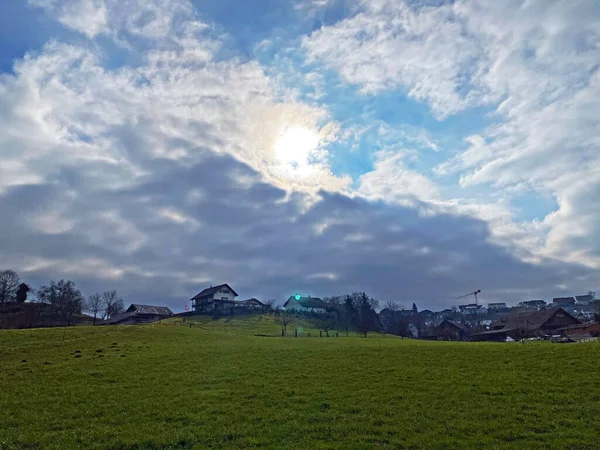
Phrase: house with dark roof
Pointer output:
(471, 308)
(500, 306)
(217, 297)
(305, 304)
(450, 330)
(139, 314)
(581, 331)
(251, 303)
(544, 322)
(533, 304)
(584, 299)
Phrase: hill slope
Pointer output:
(171, 386)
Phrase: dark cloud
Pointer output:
(264, 243)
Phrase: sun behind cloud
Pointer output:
(295, 146)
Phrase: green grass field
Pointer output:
(216, 385)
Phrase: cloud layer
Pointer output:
(161, 171)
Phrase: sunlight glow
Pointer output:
(295, 146)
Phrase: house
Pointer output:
(471, 308)
(214, 298)
(533, 304)
(450, 331)
(305, 304)
(586, 311)
(138, 314)
(527, 324)
(497, 306)
(566, 303)
(426, 317)
(584, 299)
(581, 331)
(251, 303)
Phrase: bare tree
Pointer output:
(327, 324)
(64, 297)
(112, 304)
(94, 305)
(9, 282)
(392, 306)
(334, 301)
(284, 319)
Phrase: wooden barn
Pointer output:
(137, 314)
(544, 322)
(451, 331)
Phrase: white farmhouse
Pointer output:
(305, 304)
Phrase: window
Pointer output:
(223, 298)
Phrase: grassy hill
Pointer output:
(217, 385)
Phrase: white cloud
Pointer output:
(391, 181)
(536, 62)
(389, 44)
(173, 164)
(86, 16)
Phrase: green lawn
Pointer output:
(216, 385)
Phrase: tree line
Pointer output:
(350, 312)
(65, 299)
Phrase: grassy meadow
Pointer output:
(217, 385)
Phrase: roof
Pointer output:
(460, 326)
(250, 300)
(584, 298)
(534, 302)
(150, 309)
(211, 290)
(527, 320)
(581, 326)
(563, 300)
(308, 302)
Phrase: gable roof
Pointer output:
(460, 326)
(211, 290)
(528, 320)
(149, 309)
(307, 302)
(250, 300)
(533, 302)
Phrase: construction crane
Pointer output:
(474, 293)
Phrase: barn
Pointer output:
(544, 322)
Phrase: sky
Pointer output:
(417, 150)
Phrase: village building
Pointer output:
(472, 308)
(581, 331)
(222, 298)
(544, 322)
(450, 330)
(497, 306)
(305, 304)
(139, 314)
(533, 304)
(566, 303)
(214, 298)
(584, 299)
(585, 312)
